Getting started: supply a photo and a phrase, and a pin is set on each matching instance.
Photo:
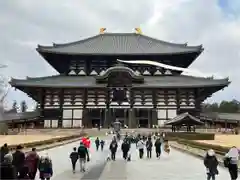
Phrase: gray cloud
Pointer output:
(26, 23)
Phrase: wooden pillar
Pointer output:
(154, 110)
(61, 101)
(150, 125)
(154, 117)
(132, 118)
(84, 113)
(125, 117)
(131, 107)
(197, 102)
(178, 100)
(107, 119)
(42, 102)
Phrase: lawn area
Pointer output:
(224, 140)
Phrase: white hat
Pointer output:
(211, 152)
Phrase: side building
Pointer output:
(94, 88)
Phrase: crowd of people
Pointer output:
(18, 165)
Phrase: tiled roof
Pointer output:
(181, 118)
(119, 44)
(18, 116)
(222, 116)
(90, 81)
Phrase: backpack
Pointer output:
(226, 161)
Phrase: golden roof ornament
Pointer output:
(138, 31)
(102, 30)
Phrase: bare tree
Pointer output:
(23, 106)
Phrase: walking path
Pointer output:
(175, 166)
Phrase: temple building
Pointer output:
(94, 87)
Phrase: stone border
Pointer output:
(198, 153)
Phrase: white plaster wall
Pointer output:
(54, 123)
(172, 113)
(67, 115)
(161, 114)
(47, 123)
(77, 113)
(77, 123)
(67, 123)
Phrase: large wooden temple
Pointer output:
(94, 88)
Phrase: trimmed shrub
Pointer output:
(48, 141)
(199, 145)
(3, 129)
(190, 136)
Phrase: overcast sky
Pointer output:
(213, 23)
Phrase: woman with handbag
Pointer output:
(231, 162)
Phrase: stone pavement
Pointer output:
(175, 166)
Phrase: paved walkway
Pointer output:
(175, 166)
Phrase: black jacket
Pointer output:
(74, 156)
(125, 146)
(211, 163)
(8, 171)
(97, 142)
(158, 145)
(3, 151)
(149, 145)
(83, 151)
(113, 146)
(18, 159)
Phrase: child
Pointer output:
(166, 147)
(74, 158)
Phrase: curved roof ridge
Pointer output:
(55, 45)
(218, 79)
(36, 78)
(171, 43)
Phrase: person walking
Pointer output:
(18, 159)
(97, 143)
(31, 162)
(45, 167)
(149, 145)
(231, 162)
(83, 156)
(158, 147)
(211, 164)
(125, 148)
(7, 170)
(102, 143)
(113, 149)
(74, 158)
(4, 150)
(140, 146)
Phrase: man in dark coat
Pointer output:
(102, 143)
(7, 170)
(4, 150)
(18, 159)
(125, 148)
(97, 143)
(158, 145)
(83, 156)
(113, 148)
(149, 145)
